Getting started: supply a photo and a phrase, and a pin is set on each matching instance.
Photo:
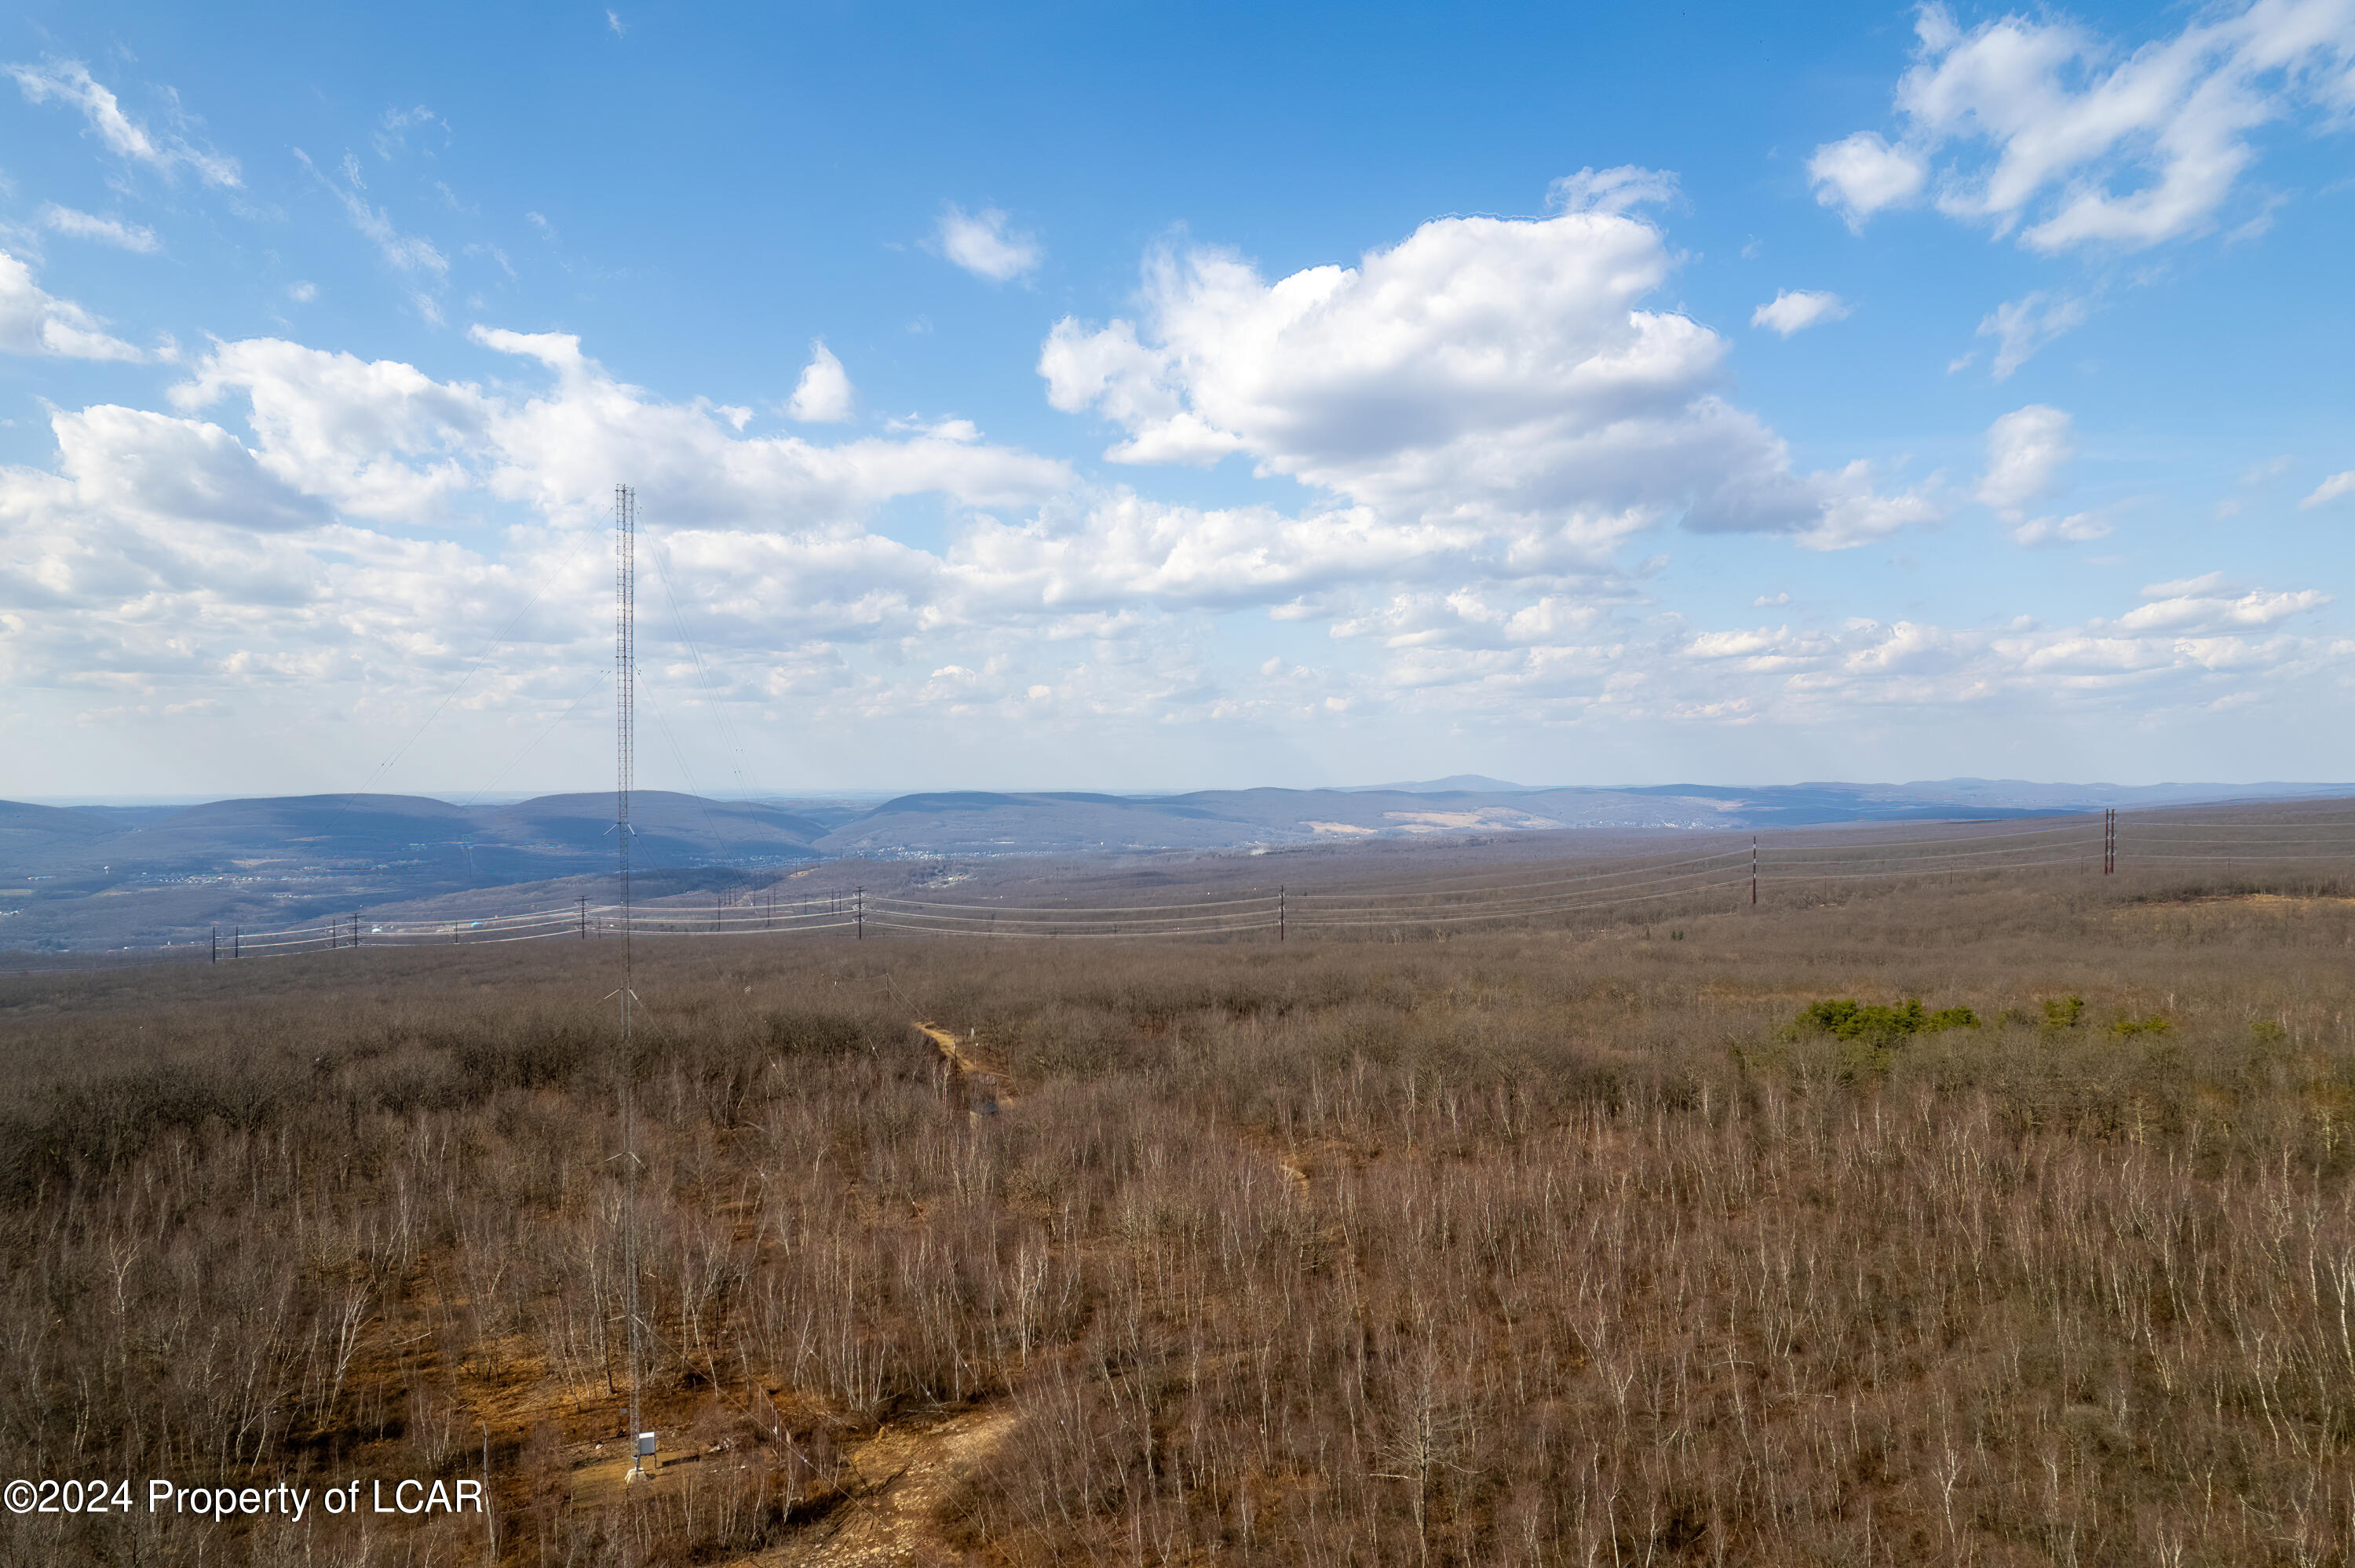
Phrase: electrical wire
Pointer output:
(1742, 854)
(1935, 871)
(1319, 922)
(2095, 847)
(739, 761)
(1441, 885)
(596, 681)
(547, 582)
(1466, 901)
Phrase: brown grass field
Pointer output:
(1556, 1245)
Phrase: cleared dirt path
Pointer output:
(907, 1474)
(947, 1041)
(979, 1089)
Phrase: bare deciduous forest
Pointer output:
(1542, 1245)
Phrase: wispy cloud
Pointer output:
(981, 244)
(112, 231)
(70, 83)
(1611, 190)
(1796, 310)
(409, 252)
(392, 131)
(2027, 324)
(2331, 489)
(2076, 529)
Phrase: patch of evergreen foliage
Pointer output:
(1852, 1020)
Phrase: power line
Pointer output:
(1642, 881)
(594, 681)
(489, 648)
(739, 761)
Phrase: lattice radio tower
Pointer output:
(625, 722)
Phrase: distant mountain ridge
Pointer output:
(230, 861)
(2017, 793)
(1470, 783)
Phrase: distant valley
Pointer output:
(74, 876)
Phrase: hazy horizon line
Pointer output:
(467, 799)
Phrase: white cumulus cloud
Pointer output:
(376, 440)
(2069, 139)
(132, 463)
(2205, 605)
(2027, 450)
(1490, 374)
(34, 322)
(341, 530)
(1795, 310)
(2191, 647)
(1862, 173)
(330, 546)
(981, 244)
(823, 395)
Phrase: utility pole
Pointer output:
(585, 917)
(2109, 840)
(237, 942)
(861, 915)
(1279, 912)
(216, 944)
(1753, 871)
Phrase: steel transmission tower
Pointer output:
(625, 716)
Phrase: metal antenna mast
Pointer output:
(625, 716)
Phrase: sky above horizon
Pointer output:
(1127, 398)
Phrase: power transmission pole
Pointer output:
(1753, 871)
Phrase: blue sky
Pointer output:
(1126, 397)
